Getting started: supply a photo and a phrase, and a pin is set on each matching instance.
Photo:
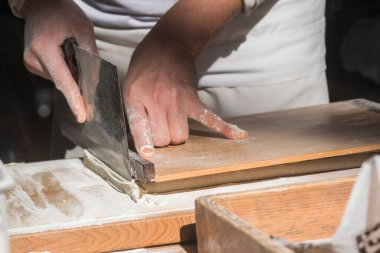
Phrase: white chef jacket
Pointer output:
(272, 59)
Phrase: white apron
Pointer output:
(273, 59)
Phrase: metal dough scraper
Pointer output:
(104, 134)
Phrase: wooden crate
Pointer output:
(244, 222)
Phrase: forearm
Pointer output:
(192, 23)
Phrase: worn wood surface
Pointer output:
(297, 213)
(61, 206)
(312, 134)
(147, 232)
(220, 232)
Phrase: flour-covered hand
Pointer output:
(47, 24)
(160, 95)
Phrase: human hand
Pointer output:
(160, 94)
(47, 25)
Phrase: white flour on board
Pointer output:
(77, 197)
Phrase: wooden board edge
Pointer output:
(155, 231)
(215, 225)
(255, 174)
(275, 162)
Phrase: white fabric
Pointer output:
(242, 100)
(249, 6)
(275, 56)
(125, 14)
(359, 230)
(135, 13)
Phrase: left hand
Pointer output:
(160, 93)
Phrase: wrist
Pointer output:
(192, 23)
(173, 43)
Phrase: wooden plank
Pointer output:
(113, 236)
(335, 131)
(297, 213)
(61, 206)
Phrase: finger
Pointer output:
(140, 129)
(215, 123)
(55, 64)
(34, 66)
(178, 126)
(159, 127)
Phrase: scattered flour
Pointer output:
(83, 199)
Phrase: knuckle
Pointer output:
(179, 132)
(37, 46)
(161, 140)
(179, 138)
(174, 93)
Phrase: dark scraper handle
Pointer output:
(69, 54)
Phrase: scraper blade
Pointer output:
(104, 133)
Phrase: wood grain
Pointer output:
(109, 237)
(275, 138)
(267, 172)
(296, 213)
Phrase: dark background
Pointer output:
(25, 136)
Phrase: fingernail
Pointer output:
(147, 151)
(79, 114)
(242, 134)
(78, 117)
(81, 118)
(237, 132)
(75, 112)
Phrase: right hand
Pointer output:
(47, 24)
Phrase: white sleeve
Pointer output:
(251, 5)
(16, 7)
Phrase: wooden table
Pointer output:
(61, 206)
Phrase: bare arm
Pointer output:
(160, 88)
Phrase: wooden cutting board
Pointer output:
(289, 142)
